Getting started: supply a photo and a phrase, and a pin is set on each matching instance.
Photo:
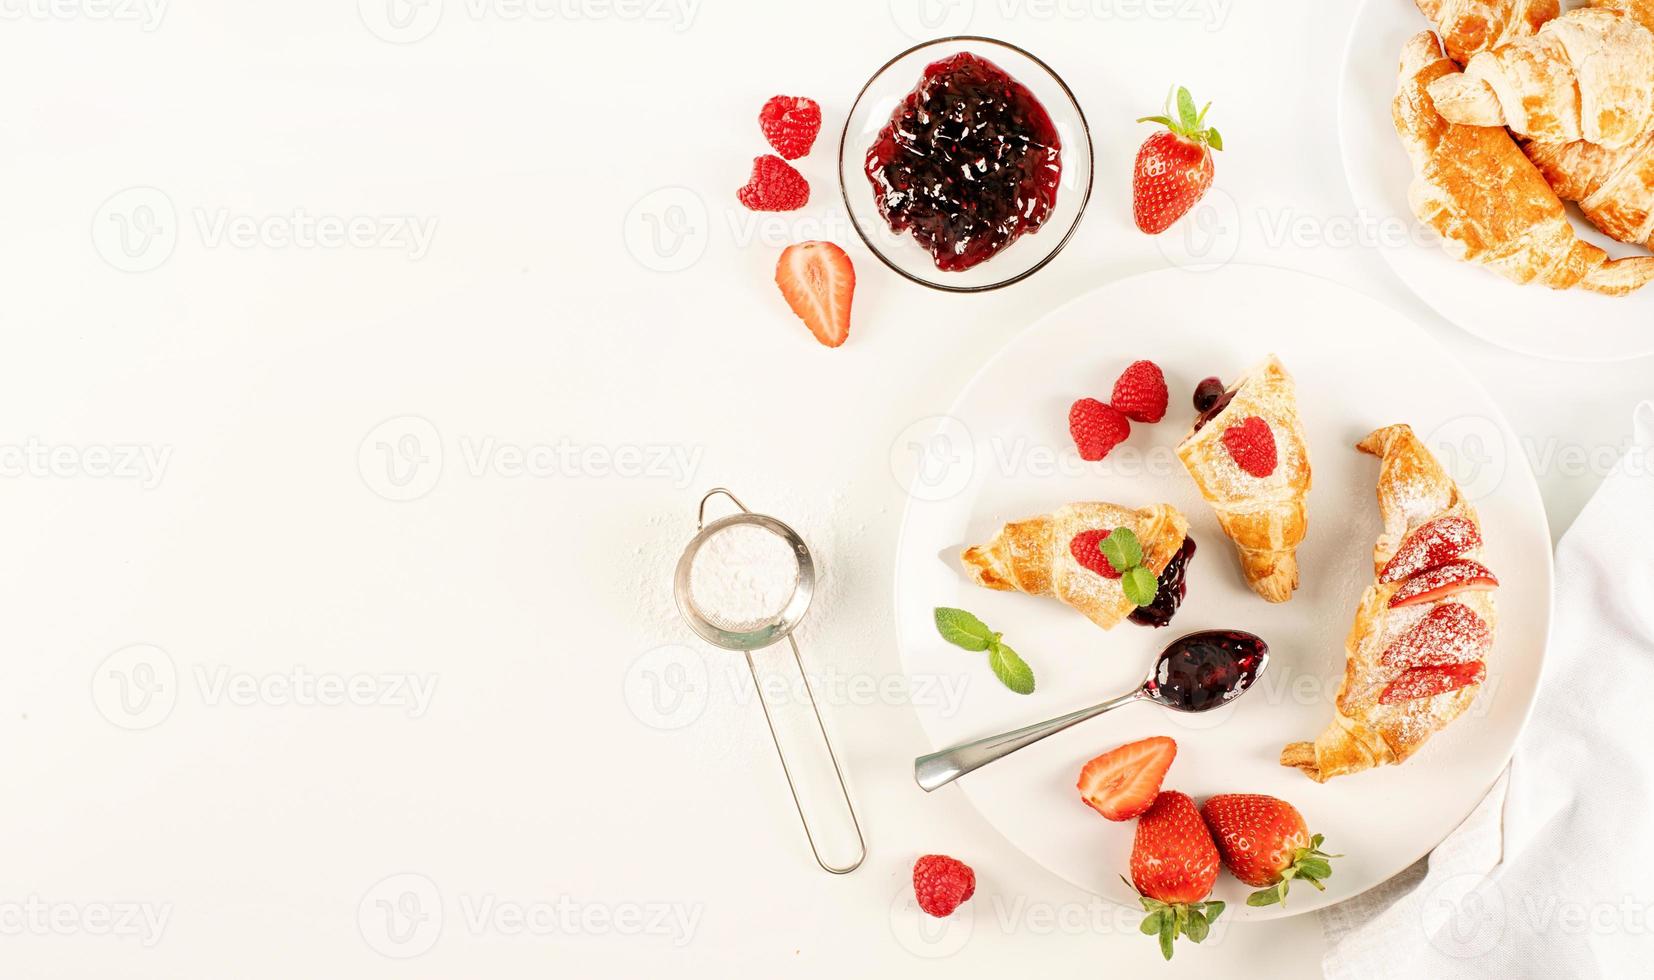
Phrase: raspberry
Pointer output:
(1085, 547)
(1252, 445)
(942, 884)
(1096, 428)
(774, 186)
(790, 123)
(1140, 394)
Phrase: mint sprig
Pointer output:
(1125, 553)
(967, 632)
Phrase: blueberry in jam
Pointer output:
(968, 162)
(1207, 669)
(1171, 592)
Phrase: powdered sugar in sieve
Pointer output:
(742, 577)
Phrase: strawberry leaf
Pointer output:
(1197, 926)
(1151, 923)
(1213, 140)
(1186, 111)
(1162, 120)
(1168, 932)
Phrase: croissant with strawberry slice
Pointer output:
(1416, 656)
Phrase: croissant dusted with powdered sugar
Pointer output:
(1263, 512)
(1415, 657)
(1487, 201)
(1588, 75)
(1042, 555)
(1470, 27)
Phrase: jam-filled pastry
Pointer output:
(1248, 455)
(1416, 656)
(1058, 555)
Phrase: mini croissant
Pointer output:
(1470, 27)
(1057, 555)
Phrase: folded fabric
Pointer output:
(1553, 875)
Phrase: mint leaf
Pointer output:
(1011, 670)
(1122, 549)
(962, 629)
(1140, 586)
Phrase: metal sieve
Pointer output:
(779, 628)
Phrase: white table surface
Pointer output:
(495, 639)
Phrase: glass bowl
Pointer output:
(1031, 251)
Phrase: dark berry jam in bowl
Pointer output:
(965, 164)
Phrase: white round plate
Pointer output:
(1003, 453)
(1568, 326)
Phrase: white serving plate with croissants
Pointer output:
(1504, 149)
(1354, 367)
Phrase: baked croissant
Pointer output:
(1260, 505)
(1058, 555)
(1415, 657)
(1588, 74)
(1470, 27)
(1486, 200)
(1614, 188)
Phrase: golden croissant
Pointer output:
(1415, 658)
(1587, 75)
(1263, 513)
(1486, 200)
(1057, 555)
(1470, 27)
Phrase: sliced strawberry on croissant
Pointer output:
(1452, 633)
(1427, 682)
(1432, 544)
(1441, 582)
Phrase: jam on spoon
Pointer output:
(1198, 672)
(968, 162)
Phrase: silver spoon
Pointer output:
(1197, 672)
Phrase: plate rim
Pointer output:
(1273, 912)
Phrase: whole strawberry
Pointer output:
(1264, 842)
(1174, 168)
(942, 884)
(1173, 865)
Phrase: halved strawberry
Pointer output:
(1432, 544)
(1452, 633)
(1123, 783)
(1427, 682)
(1443, 581)
(818, 281)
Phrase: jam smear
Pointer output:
(1207, 669)
(1213, 410)
(1171, 592)
(968, 162)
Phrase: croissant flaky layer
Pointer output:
(1266, 517)
(1588, 75)
(1487, 201)
(1035, 556)
(1470, 27)
(1413, 491)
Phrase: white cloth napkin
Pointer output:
(1553, 875)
